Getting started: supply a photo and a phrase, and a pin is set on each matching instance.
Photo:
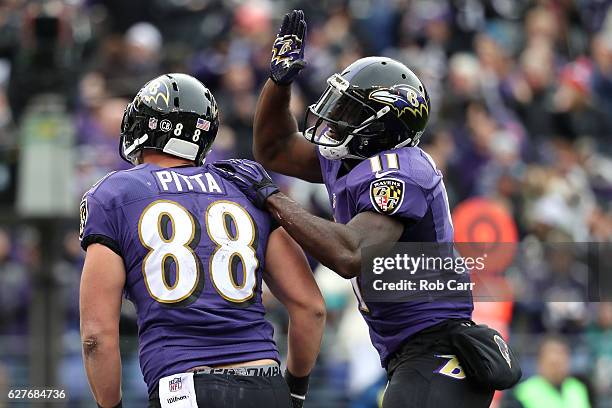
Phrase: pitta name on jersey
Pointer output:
(173, 181)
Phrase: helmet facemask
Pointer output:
(129, 140)
(340, 118)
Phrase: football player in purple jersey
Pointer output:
(360, 140)
(191, 251)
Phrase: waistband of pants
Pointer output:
(268, 370)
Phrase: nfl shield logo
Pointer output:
(175, 384)
(203, 124)
(152, 123)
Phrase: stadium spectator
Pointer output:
(15, 288)
(553, 386)
(600, 346)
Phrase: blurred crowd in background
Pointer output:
(521, 97)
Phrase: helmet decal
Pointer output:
(402, 98)
(155, 90)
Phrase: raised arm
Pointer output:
(100, 308)
(290, 279)
(277, 143)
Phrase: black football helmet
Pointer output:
(375, 104)
(174, 113)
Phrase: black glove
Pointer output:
(298, 387)
(250, 178)
(288, 49)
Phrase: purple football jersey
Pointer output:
(404, 184)
(193, 247)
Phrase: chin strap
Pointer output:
(128, 150)
(404, 143)
(372, 118)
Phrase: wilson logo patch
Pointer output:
(387, 194)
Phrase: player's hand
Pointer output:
(250, 177)
(288, 49)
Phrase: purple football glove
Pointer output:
(250, 177)
(288, 49)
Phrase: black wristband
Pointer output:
(297, 385)
(279, 83)
(119, 405)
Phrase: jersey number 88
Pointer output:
(178, 247)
